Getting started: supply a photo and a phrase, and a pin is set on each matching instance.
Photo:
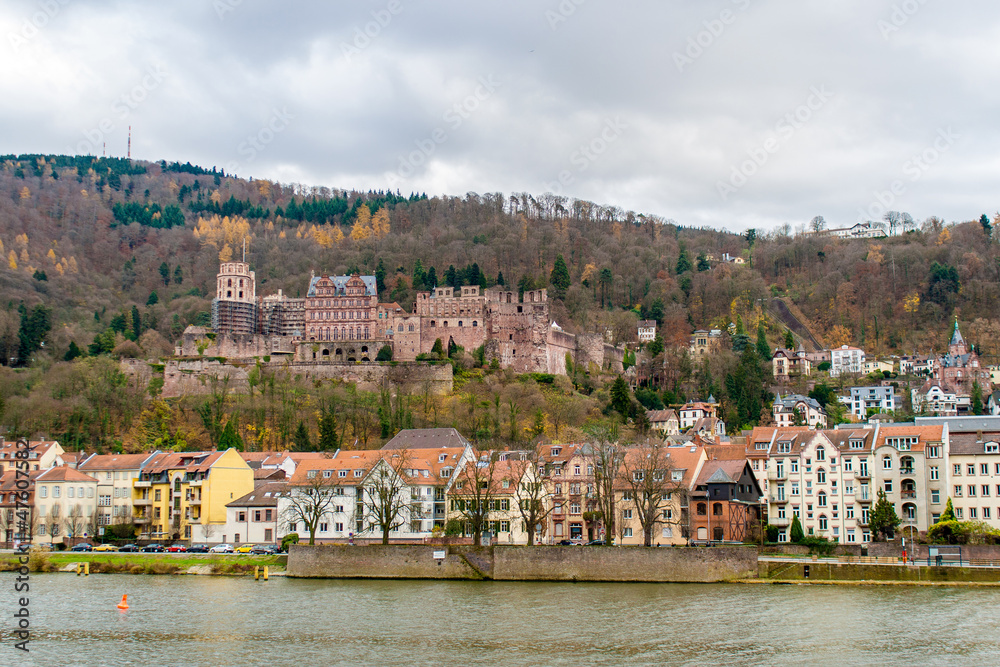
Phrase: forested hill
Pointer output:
(113, 249)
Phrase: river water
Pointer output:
(198, 620)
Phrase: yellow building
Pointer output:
(183, 495)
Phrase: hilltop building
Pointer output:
(341, 320)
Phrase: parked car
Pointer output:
(82, 546)
(153, 549)
(595, 543)
(269, 549)
(129, 548)
(221, 549)
(566, 543)
(177, 548)
(198, 549)
(105, 547)
(244, 548)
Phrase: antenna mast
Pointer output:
(129, 155)
(244, 250)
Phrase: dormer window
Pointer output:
(556, 451)
(442, 458)
(992, 448)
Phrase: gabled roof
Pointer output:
(340, 282)
(655, 416)
(63, 474)
(265, 495)
(102, 462)
(426, 438)
(965, 444)
(189, 461)
(721, 472)
(345, 460)
(36, 448)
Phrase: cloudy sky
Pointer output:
(726, 113)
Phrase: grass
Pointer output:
(140, 563)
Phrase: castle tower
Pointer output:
(234, 309)
(957, 346)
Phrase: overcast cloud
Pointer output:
(727, 113)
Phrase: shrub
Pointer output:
(384, 354)
(453, 527)
(795, 533)
(38, 561)
(819, 545)
(288, 540)
(772, 533)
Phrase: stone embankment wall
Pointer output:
(196, 376)
(508, 563)
(831, 571)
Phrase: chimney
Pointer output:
(979, 436)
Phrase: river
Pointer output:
(198, 620)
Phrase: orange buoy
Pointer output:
(124, 603)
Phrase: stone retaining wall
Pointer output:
(522, 563)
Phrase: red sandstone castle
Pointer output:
(341, 320)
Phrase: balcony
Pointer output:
(142, 502)
(142, 485)
(909, 520)
(777, 475)
(908, 495)
(863, 474)
(863, 498)
(195, 482)
(906, 471)
(780, 500)
(194, 501)
(141, 519)
(780, 523)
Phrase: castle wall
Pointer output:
(199, 342)
(559, 344)
(198, 376)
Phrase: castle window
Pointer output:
(411, 327)
(460, 323)
(474, 323)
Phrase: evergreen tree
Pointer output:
(500, 280)
(656, 346)
(559, 278)
(431, 281)
(883, 519)
(165, 273)
(136, 322)
(452, 348)
(230, 438)
(949, 512)
(178, 275)
(621, 400)
(438, 349)
(703, 264)
(763, 350)
(795, 533)
(789, 340)
(977, 398)
(384, 353)
(32, 332)
(328, 440)
(419, 275)
(987, 227)
(380, 276)
(301, 438)
(153, 299)
(683, 261)
(451, 277)
(73, 352)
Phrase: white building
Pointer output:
(846, 359)
(66, 504)
(647, 331)
(863, 399)
(115, 474)
(808, 410)
(254, 518)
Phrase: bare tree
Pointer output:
(474, 494)
(534, 501)
(76, 522)
(607, 457)
(310, 500)
(386, 499)
(818, 224)
(647, 475)
(894, 219)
